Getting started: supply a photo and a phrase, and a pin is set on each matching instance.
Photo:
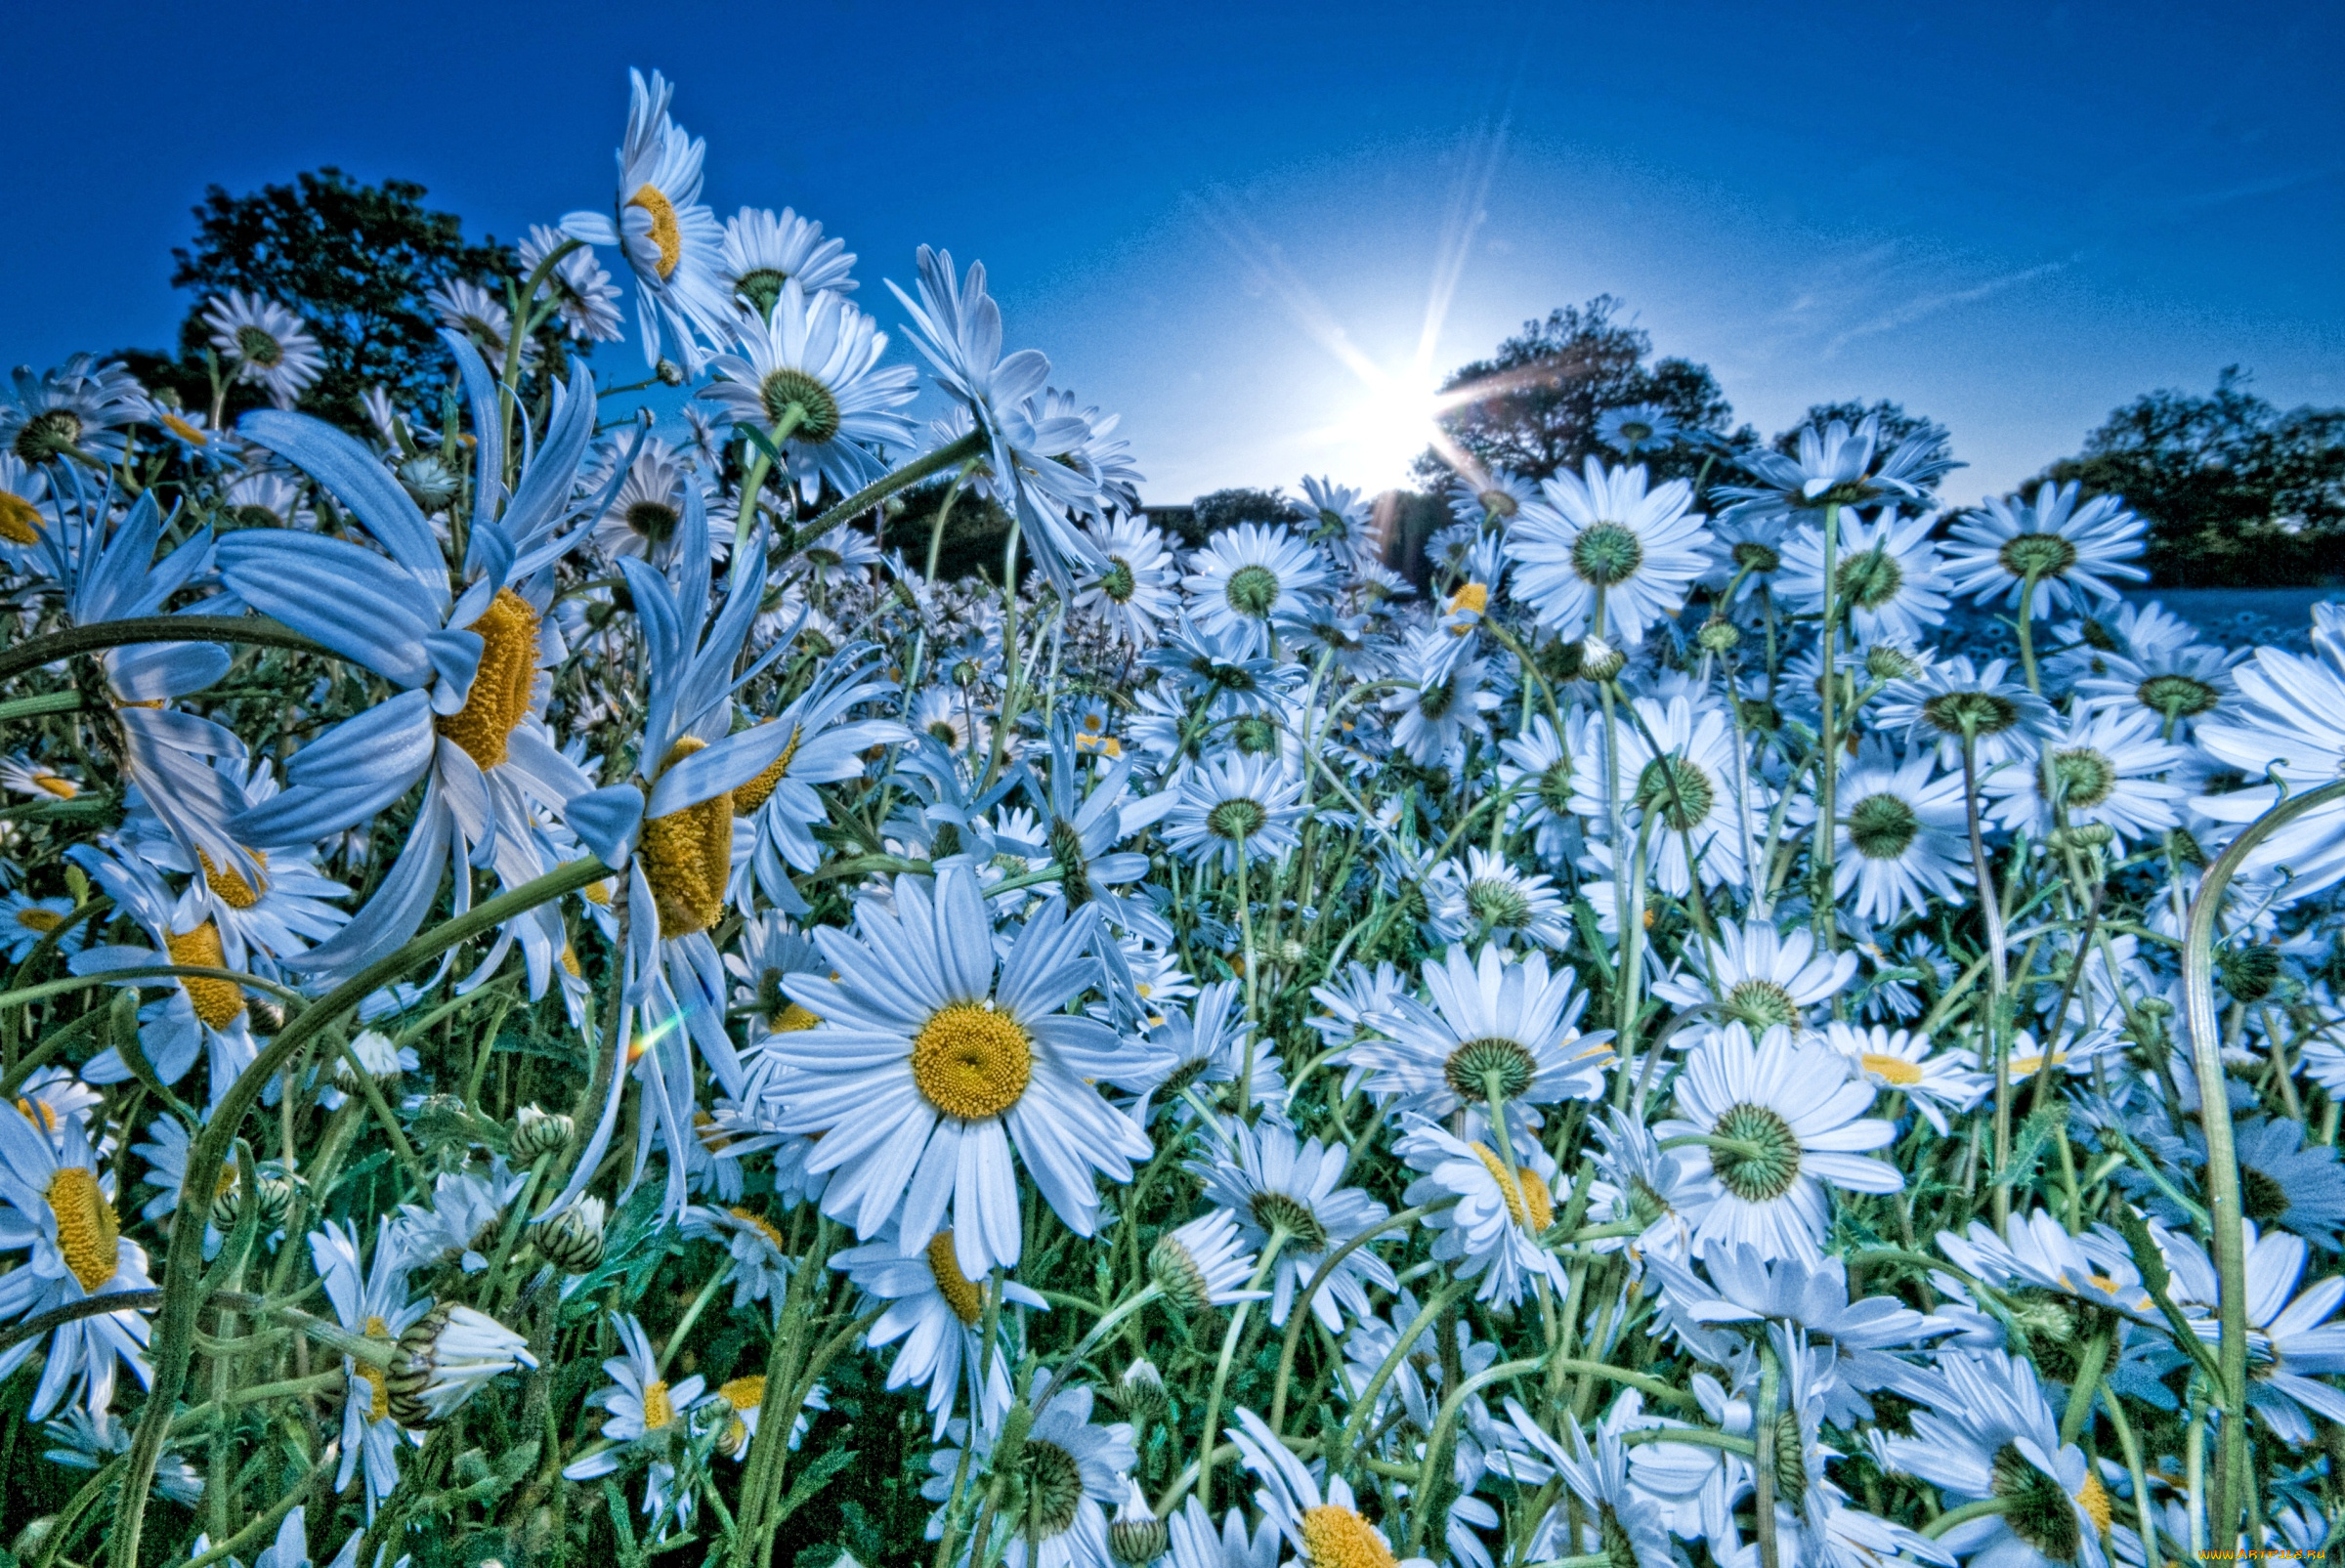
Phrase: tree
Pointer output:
(1211, 514)
(1896, 425)
(356, 261)
(2234, 490)
(1538, 398)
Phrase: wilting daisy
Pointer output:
(1133, 587)
(2095, 1268)
(1765, 977)
(62, 1207)
(1073, 1470)
(811, 370)
(1604, 544)
(1233, 808)
(1899, 841)
(2067, 552)
(761, 252)
(1499, 1215)
(1323, 1526)
(934, 1058)
(1885, 577)
(1772, 1125)
(761, 1261)
(646, 513)
(2103, 765)
(1900, 1063)
(1486, 897)
(1990, 1436)
(1953, 702)
(372, 1302)
(1691, 782)
(671, 240)
(1285, 1190)
(585, 300)
(939, 1313)
(264, 342)
(1249, 579)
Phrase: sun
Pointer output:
(1397, 415)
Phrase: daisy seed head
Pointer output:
(1336, 1536)
(1765, 1158)
(502, 685)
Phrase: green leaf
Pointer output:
(812, 1478)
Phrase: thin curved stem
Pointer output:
(256, 630)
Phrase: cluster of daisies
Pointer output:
(1609, 1045)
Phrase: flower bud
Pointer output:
(428, 481)
(1600, 661)
(1136, 1536)
(1885, 663)
(1141, 1390)
(572, 1239)
(536, 1134)
(443, 1358)
(1719, 635)
(670, 374)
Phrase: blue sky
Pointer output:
(2012, 218)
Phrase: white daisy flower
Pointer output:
(1501, 1213)
(2103, 763)
(199, 1016)
(1900, 842)
(2292, 1343)
(939, 1313)
(1442, 699)
(1900, 1063)
(1769, 1125)
(25, 509)
(78, 407)
(1249, 580)
(1538, 769)
(269, 497)
(1952, 699)
(645, 515)
(1764, 978)
(1234, 807)
(266, 344)
(1207, 1045)
(2067, 552)
(1205, 1264)
(1074, 1471)
(1323, 1526)
(1838, 465)
(1194, 1545)
(1690, 782)
(25, 920)
(1603, 547)
(372, 1302)
(1133, 587)
(819, 356)
(1885, 577)
(1342, 523)
(61, 1206)
(762, 251)
(1279, 1187)
(934, 1056)
(585, 299)
(761, 1261)
(644, 1409)
(1486, 898)
(1638, 1181)
(2291, 720)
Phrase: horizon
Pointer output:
(1309, 225)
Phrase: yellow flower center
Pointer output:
(32, 917)
(1891, 1069)
(664, 231)
(20, 519)
(230, 888)
(49, 783)
(38, 1111)
(86, 1227)
(762, 1226)
(599, 894)
(499, 699)
(687, 857)
(570, 962)
(750, 797)
(218, 1003)
(1471, 599)
(1529, 1204)
(1335, 1536)
(2093, 1499)
(182, 429)
(970, 1061)
(794, 1018)
(744, 1393)
(963, 1294)
(2023, 1066)
(658, 1410)
(378, 1403)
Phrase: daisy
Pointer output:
(1602, 555)
(938, 1312)
(1625, 1529)
(1494, 500)
(79, 406)
(761, 252)
(1838, 465)
(1764, 978)
(761, 1261)
(1991, 1434)
(25, 506)
(1249, 579)
(91, 1440)
(1769, 1125)
(2035, 1252)
(2291, 721)
(1441, 698)
(645, 514)
(1323, 1526)
(1285, 1196)
(810, 370)
(373, 1303)
(671, 240)
(843, 553)
(466, 1215)
(1497, 1031)
(1954, 702)
(466, 720)
(1341, 523)
(1487, 898)
(1106, 461)
(2291, 1342)
(2068, 552)
(1208, 1046)
(1073, 1471)
(1132, 587)
(1900, 1063)
(1501, 1213)
(1205, 1264)
(266, 498)
(1885, 579)
(197, 1016)
(585, 299)
(2104, 764)
(1637, 426)
(61, 1205)
(1537, 770)
(2181, 683)
(472, 311)
(1691, 782)
(2287, 1181)
(1232, 810)
(1638, 1181)
(935, 1056)
(25, 920)
(1900, 842)
(265, 343)
(643, 1417)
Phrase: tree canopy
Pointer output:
(1540, 396)
(2235, 490)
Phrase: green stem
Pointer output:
(252, 629)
